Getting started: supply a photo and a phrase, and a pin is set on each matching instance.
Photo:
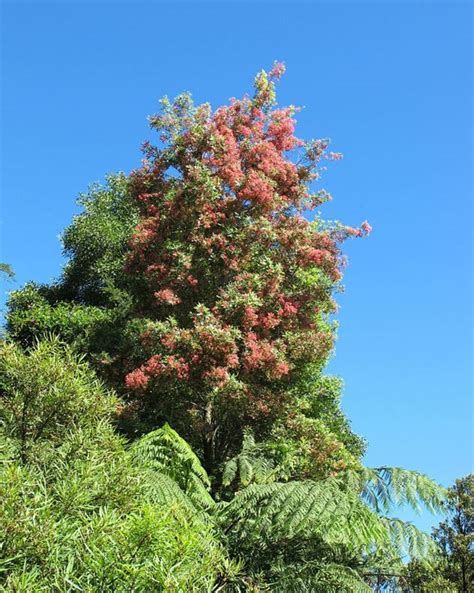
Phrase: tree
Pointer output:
(234, 284)
(319, 535)
(45, 393)
(198, 290)
(455, 536)
(197, 287)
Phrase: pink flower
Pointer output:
(277, 71)
(178, 366)
(166, 295)
(269, 321)
(289, 308)
(257, 189)
(136, 380)
(250, 316)
(317, 256)
(218, 376)
(169, 341)
(232, 360)
(281, 368)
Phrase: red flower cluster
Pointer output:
(238, 283)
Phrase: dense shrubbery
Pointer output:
(82, 510)
(212, 453)
(78, 510)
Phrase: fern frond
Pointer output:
(165, 447)
(385, 487)
(283, 511)
(249, 466)
(287, 510)
(407, 540)
(162, 489)
(230, 471)
(166, 452)
(317, 577)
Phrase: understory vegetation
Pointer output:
(166, 422)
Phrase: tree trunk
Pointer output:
(208, 440)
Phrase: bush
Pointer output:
(77, 511)
(45, 393)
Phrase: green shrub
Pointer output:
(77, 510)
(45, 393)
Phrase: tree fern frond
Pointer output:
(286, 510)
(281, 511)
(316, 577)
(407, 539)
(166, 452)
(162, 489)
(385, 487)
(249, 466)
(166, 447)
(230, 471)
(198, 492)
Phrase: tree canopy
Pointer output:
(165, 417)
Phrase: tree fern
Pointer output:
(265, 517)
(287, 510)
(316, 577)
(327, 509)
(385, 487)
(248, 466)
(165, 452)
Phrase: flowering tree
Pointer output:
(235, 283)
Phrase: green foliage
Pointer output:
(251, 465)
(323, 535)
(164, 451)
(83, 514)
(96, 242)
(7, 270)
(317, 577)
(421, 576)
(449, 568)
(32, 316)
(455, 536)
(314, 439)
(89, 306)
(327, 509)
(89, 524)
(45, 393)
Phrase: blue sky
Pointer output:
(388, 82)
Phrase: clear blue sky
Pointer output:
(390, 83)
